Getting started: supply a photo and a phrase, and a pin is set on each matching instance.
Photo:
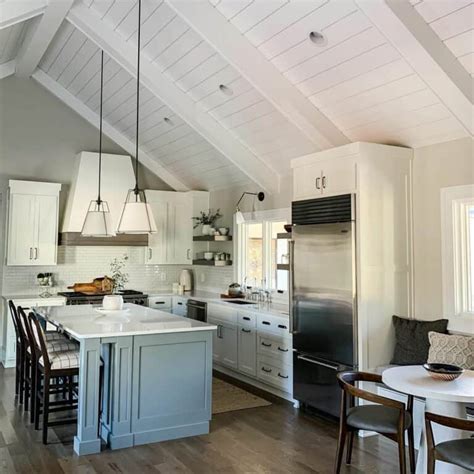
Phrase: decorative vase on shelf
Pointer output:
(206, 228)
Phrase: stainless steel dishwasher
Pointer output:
(197, 310)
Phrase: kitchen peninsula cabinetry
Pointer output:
(32, 227)
(253, 344)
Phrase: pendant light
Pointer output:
(98, 219)
(137, 217)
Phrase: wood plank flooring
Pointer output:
(273, 439)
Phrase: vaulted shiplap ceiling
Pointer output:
(357, 78)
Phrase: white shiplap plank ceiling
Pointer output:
(356, 77)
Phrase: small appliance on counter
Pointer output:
(186, 279)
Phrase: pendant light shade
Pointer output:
(98, 219)
(239, 217)
(137, 217)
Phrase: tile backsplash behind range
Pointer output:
(83, 264)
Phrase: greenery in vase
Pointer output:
(118, 275)
(208, 218)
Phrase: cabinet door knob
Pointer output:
(317, 183)
(268, 371)
(264, 344)
(150, 253)
(31, 253)
(282, 350)
(324, 182)
(282, 376)
(36, 253)
(187, 254)
(246, 330)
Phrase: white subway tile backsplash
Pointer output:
(83, 264)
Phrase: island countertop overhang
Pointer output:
(85, 322)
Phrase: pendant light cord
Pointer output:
(99, 200)
(138, 94)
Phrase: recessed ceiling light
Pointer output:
(226, 90)
(318, 38)
(168, 121)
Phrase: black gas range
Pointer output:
(129, 296)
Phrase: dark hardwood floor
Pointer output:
(273, 439)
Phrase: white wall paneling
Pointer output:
(14, 11)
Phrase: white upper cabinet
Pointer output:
(173, 243)
(326, 177)
(32, 223)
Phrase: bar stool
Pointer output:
(50, 367)
(20, 349)
(55, 342)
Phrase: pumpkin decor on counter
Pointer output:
(99, 285)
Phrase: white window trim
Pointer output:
(239, 240)
(455, 274)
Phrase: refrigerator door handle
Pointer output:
(291, 284)
(312, 361)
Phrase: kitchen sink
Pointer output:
(240, 302)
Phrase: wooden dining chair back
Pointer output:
(459, 452)
(383, 415)
(20, 349)
(54, 372)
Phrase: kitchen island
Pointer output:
(158, 375)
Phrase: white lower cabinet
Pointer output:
(179, 306)
(247, 351)
(256, 345)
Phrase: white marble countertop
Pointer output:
(84, 321)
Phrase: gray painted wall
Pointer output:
(39, 138)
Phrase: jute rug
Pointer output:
(227, 397)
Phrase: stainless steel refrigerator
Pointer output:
(323, 309)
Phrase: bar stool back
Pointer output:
(20, 350)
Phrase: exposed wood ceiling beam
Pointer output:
(259, 71)
(14, 11)
(7, 69)
(86, 113)
(39, 36)
(427, 55)
(168, 92)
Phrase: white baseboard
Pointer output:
(255, 383)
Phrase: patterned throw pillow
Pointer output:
(451, 349)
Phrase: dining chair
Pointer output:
(459, 452)
(387, 417)
(20, 349)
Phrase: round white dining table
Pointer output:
(443, 398)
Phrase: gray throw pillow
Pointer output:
(411, 339)
(451, 349)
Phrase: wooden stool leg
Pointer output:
(33, 392)
(17, 371)
(45, 408)
(27, 384)
(37, 399)
(340, 448)
(350, 442)
(22, 378)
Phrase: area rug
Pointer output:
(227, 397)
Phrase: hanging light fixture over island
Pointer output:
(137, 217)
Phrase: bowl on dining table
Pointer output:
(445, 372)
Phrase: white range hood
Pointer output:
(117, 178)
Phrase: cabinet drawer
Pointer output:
(275, 373)
(275, 324)
(160, 302)
(179, 306)
(273, 346)
(247, 319)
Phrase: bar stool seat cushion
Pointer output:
(459, 452)
(376, 418)
(63, 360)
(54, 336)
(60, 345)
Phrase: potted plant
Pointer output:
(207, 220)
(118, 275)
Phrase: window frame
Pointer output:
(456, 278)
(240, 237)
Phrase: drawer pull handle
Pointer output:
(180, 304)
(282, 376)
(246, 318)
(266, 323)
(268, 371)
(266, 345)
(282, 326)
(282, 350)
(159, 302)
(246, 330)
